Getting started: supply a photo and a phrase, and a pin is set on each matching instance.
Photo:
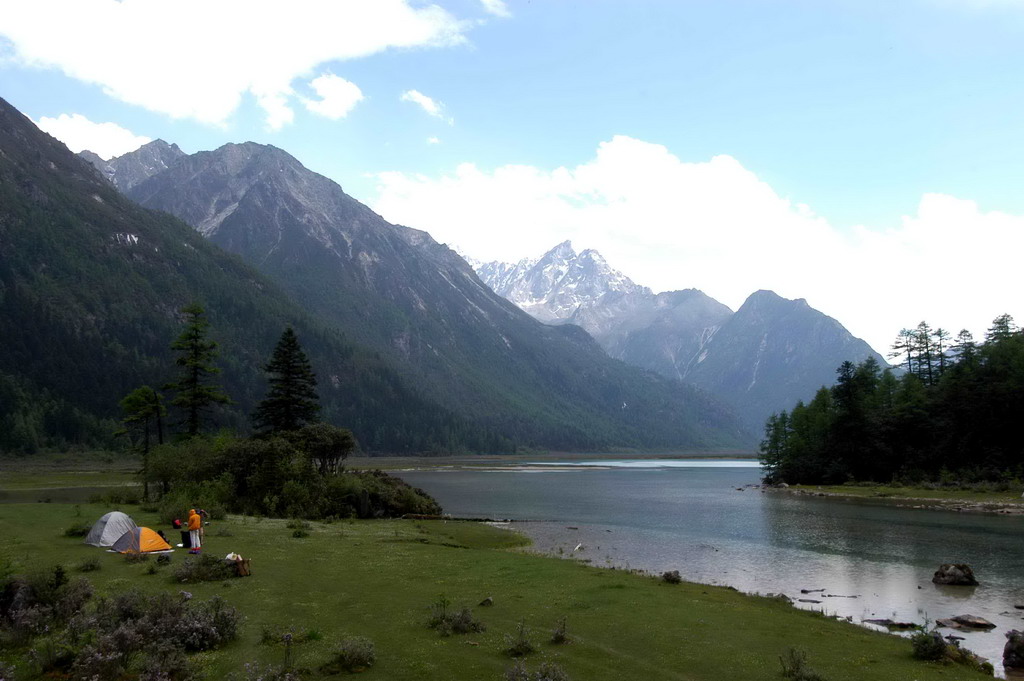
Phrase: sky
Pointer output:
(867, 156)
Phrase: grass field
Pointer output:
(377, 579)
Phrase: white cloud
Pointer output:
(428, 104)
(715, 226)
(496, 7)
(196, 59)
(337, 96)
(433, 140)
(78, 133)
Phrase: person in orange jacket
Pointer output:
(195, 522)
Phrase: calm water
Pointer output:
(689, 516)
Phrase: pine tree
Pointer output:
(292, 400)
(195, 393)
(904, 344)
(142, 408)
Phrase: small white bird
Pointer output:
(579, 547)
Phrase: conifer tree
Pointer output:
(291, 401)
(196, 394)
(143, 408)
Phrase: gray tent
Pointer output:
(109, 529)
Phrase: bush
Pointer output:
(796, 667)
(132, 557)
(203, 568)
(928, 646)
(519, 645)
(128, 634)
(163, 559)
(549, 671)
(299, 534)
(447, 622)
(559, 635)
(353, 655)
(89, 565)
(672, 577)
(517, 672)
(79, 530)
(932, 647)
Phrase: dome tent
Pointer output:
(109, 528)
(140, 540)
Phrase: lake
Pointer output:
(870, 559)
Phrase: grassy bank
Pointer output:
(377, 579)
(939, 496)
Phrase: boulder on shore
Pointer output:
(955, 574)
(1013, 651)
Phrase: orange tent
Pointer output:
(140, 540)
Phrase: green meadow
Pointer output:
(378, 578)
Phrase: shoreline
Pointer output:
(959, 502)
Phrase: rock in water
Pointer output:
(973, 622)
(1013, 651)
(955, 574)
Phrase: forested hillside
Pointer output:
(91, 288)
(954, 412)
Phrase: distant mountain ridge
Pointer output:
(424, 309)
(130, 169)
(760, 359)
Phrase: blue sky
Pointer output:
(833, 121)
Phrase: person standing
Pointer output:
(195, 522)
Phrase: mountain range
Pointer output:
(494, 378)
(91, 288)
(760, 359)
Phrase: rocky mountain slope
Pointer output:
(91, 286)
(760, 359)
(130, 169)
(422, 307)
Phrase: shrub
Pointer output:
(671, 577)
(932, 647)
(796, 667)
(128, 633)
(89, 565)
(447, 622)
(79, 530)
(519, 645)
(928, 646)
(549, 671)
(297, 524)
(299, 534)
(559, 634)
(203, 568)
(163, 559)
(353, 655)
(132, 558)
(517, 672)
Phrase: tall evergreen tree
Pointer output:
(904, 346)
(143, 408)
(292, 400)
(196, 394)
